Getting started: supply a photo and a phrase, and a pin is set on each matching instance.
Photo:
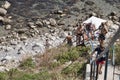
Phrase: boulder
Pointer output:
(30, 24)
(113, 13)
(39, 23)
(7, 20)
(6, 5)
(23, 37)
(33, 26)
(8, 58)
(62, 15)
(1, 18)
(8, 27)
(13, 42)
(61, 23)
(88, 2)
(48, 26)
(21, 31)
(60, 12)
(46, 22)
(3, 12)
(52, 21)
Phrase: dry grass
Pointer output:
(46, 58)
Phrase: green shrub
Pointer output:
(43, 75)
(28, 63)
(117, 53)
(72, 54)
(20, 75)
(54, 65)
(3, 76)
(74, 69)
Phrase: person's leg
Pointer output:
(77, 40)
(99, 68)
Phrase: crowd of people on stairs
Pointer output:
(85, 32)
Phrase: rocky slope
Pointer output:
(27, 24)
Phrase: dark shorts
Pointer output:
(79, 34)
(70, 43)
(100, 60)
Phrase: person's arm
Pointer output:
(106, 29)
(64, 39)
(93, 52)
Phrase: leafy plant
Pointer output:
(73, 54)
(74, 69)
(117, 53)
(28, 63)
(54, 65)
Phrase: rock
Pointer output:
(52, 30)
(109, 23)
(20, 51)
(1, 18)
(30, 24)
(88, 2)
(62, 15)
(61, 23)
(52, 21)
(39, 23)
(48, 26)
(62, 34)
(2, 69)
(8, 58)
(33, 26)
(114, 27)
(8, 27)
(7, 20)
(46, 22)
(13, 42)
(92, 14)
(3, 12)
(23, 37)
(21, 31)
(60, 12)
(114, 18)
(6, 5)
(113, 13)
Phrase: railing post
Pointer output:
(92, 64)
(94, 71)
(91, 71)
(113, 55)
(97, 72)
(106, 66)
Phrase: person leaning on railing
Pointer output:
(101, 60)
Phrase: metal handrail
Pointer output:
(114, 38)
